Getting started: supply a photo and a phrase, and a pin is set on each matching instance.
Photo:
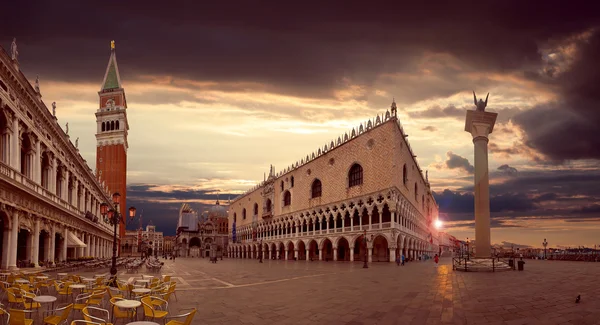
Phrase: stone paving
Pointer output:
(235, 291)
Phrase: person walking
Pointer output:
(403, 259)
(398, 260)
(436, 259)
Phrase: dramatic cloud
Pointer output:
(455, 161)
(567, 128)
(511, 171)
(217, 93)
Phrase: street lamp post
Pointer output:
(545, 243)
(114, 217)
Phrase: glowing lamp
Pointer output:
(116, 198)
(438, 224)
(103, 208)
(131, 212)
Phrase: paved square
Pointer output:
(237, 291)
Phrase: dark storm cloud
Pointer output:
(567, 129)
(299, 49)
(511, 171)
(451, 111)
(562, 194)
(455, 161)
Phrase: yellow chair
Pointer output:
(81, 301)
(14, 296)
(150, 311)
(17, 317)
(3, 312)
(84, 322)
(87, 315)
(97, 297)
(112, 294)
(166, 278)
(188, 318)
(62, 288)
(118, 313)
(32, 304)
(59, 318)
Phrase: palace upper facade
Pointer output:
(49, 197)
(365, 182)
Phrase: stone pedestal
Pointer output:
(481, 124)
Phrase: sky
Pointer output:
(218, 92)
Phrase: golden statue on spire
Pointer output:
(112, 45)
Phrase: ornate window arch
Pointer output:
(116, 125)
(404, 175)
(255, 208)
(269, 205)
(292, 181)
(287, 198)
(244, 214)
(355, 175)
(416, 192)
(234, 217)
(316, 189)
(103, 126)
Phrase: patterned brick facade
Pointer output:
(393, 202)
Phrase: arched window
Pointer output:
(423, 202)
(117, 125)
(416, 192)
(292, 181)
(355, 175)
(282, 186)
(315, 189)
(103, 126)
(234, 217)
(244, 214)
(268, 205)
(404, 175)
(255, 208)
(112, 125)
(287, 198)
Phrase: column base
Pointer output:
(13, 268)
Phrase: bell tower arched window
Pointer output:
(287, 198)
(355, 175)
(103, 126)
(117, 125)
(315, 189)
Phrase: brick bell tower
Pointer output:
(111, 135)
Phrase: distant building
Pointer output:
(168, 244)
(449, 245)
(137, 241)
(197, 235)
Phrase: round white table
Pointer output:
(22, 281)
(44, 300)
(145, 282)
(143, 323)
(128, 304)
(141, 290)
(61, 275)
(41, 277)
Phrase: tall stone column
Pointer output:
(52, 246)
(64, 248)
(481, 124)
(14, 234)
(37, 163)
(36, 243)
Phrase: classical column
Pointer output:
(393, 220)
(335, 254)
(307, 253)
(351, 253)
(52, 245)
(286, 254)
(392, 254)
(37, 163)
(36, 243)
(320, 254)
(12, 264)
(481, 124)
(370, 220)
(370, 251)
(88, 242)
(52, 176)
(65, 185)
(352, 223)
(64, 248)
(16, 145)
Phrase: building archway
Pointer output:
(301, 251)
(3, 229)
(343, 250)
(327, 250)
(281, 251)
(380, 249)
(194, 242)
(272, 252)
(359, 248)
(313, 250)
(291, 253)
